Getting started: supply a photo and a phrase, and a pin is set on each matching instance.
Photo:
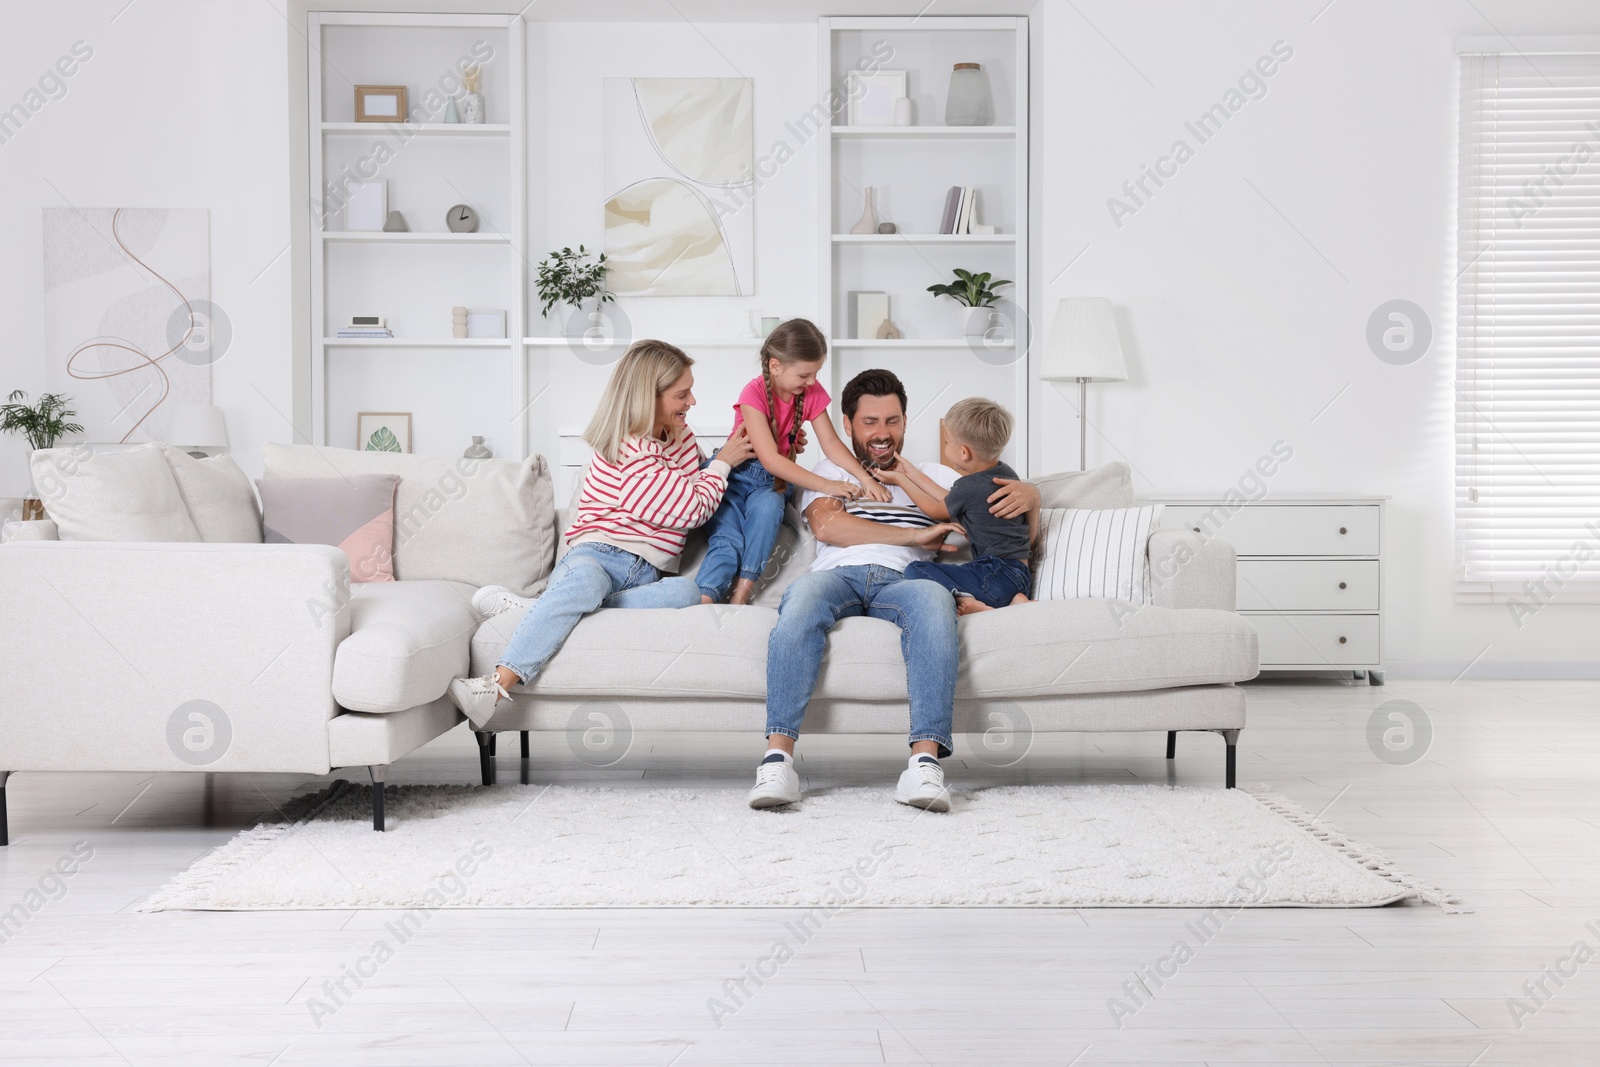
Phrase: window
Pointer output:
(1528, 329)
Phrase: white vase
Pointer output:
(472, 108)
(977, 321)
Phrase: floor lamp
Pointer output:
(1083, 347)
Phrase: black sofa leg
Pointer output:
(378, 772)
(1231, 776)
(1172, 744)
(492, 738)
(524, 744)
(486, 757)
(5, 830)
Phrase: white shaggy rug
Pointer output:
(1013, 846)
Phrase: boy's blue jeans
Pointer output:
(925, 613)
(992, 580)
(590, 576)
(743, 530)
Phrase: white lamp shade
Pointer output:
(197, 426)
(1084, 343)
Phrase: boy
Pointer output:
(975, 432)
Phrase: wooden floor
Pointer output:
(1504, 811)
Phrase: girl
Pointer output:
(644, 490)
(773, 409)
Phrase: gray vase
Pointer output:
(477, 450)
(472, 108)
(967, 103)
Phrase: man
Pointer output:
(862, 550)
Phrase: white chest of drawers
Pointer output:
(1310, 574)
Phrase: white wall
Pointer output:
(183, 104)
(1245, 283)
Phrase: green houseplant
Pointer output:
(568, 277)
(41, 425)
(976, 293)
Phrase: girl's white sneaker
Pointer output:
(476, 697)
(494, 599)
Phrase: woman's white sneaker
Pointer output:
(494, 599)
(777, 783)
(922, 786)
(476, 697)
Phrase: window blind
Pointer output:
(1528, 328)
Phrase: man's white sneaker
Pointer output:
(777, 784)
(494, 599)
(922, 786)
(476, 697)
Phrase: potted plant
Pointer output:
(568, 277)
(41, 425)
(977, 293)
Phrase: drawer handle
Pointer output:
(1342, 640)
(1341, 585)
(1343, 530)
(1196, 529)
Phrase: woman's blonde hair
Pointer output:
(628, 407)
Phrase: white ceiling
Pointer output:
(681, 10)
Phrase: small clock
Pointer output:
(462, 219)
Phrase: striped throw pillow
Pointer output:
(1095, 553)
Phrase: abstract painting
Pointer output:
(128, 319)
(680, 169)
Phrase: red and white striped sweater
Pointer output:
(649, 501)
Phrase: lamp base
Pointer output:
(1083, 424)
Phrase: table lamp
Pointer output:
(197, 426)
(1083, 346)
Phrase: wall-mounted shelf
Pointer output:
(911, 342)
(440, 237)
(424, 129)
(925, 238)
(986, 132)
(416, 342)
(737, 342)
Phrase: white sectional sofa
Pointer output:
(114, 646)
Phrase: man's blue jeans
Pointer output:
(925, 613)
(589, 577)
(743, 530)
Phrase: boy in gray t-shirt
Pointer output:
(975, 432)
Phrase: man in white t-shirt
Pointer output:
(862, 548)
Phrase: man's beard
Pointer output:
(871, 462)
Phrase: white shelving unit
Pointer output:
(912, 167)
(415, 278)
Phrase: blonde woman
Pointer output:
(641, 495)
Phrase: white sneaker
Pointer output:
(777, 784)
(494, 599)
(476, 697)
(922, 786)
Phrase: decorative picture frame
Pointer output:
(383, 431)
(872, 95)
(381, 103)
(367, 206)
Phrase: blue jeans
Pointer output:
(589, 577)
(743, 530)
(925, 613)
(992, 580)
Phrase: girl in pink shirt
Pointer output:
(773, 409)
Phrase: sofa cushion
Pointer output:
(1045, 648)
(127, 495)
(1095, 552)
(407, 641)
(218, 496)
(1107, 486)
(354, 514)
(479, 521)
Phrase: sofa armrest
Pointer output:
(1188, 571)
(168, 657)
(32, 530)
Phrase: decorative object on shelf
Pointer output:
(967, 103)
(976, 292)
(868, 310)
(980, 228)
(129, 325)
(197, 427)
(395, 223)
(680, 157)
(366, 208)
(872, 96)
(380, 103)
(768, 324)
(461, 218)
(868, 223)
(458, 322)
(472, 100)
(567, 277)
(383, 431)
(451, 115)
(477, 450)
(365, 327)
(904, 112)
(486, 323)
(41, 425)
(888, 331)
(888, 227)
(960, 209)
(1083, 346)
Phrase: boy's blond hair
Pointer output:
(980, 424)
(628, 407)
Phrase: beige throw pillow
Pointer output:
(127, 495)
(218, 495)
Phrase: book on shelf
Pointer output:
(364, 333)
(952, 203)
